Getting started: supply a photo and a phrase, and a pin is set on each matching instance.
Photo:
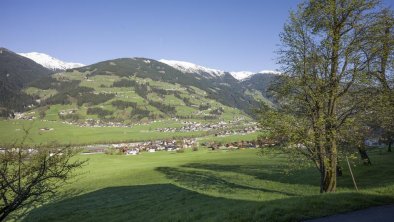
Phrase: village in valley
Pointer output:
(197, 111)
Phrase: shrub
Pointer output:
(98, 111)
(120, 104)
(112, 151)
(181, 150)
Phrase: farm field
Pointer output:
(209, 185)
(12, 130)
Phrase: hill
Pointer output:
(262, 83)
(140, 89)
(137, 89)
(16, 72)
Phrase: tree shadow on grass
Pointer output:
(160, 202)
(167, 202)
(272, 172)
(56, 196)
(204, 180)
(306, 176)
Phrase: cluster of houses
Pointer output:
(97, 123)
(24, 116)
(106, 123)
(67, 112)
(246, 130)
(223, 127)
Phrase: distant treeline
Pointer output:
(120, 104)
(98, 111)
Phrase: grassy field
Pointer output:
(12, 130)
(211, 186)
(230, 138)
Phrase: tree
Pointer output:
(380, 55)
(29, 175)
(324, 79)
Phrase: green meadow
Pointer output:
(209, 185)
(12, 131)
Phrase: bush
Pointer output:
(120, 104)
(42, 114)
(94, 99)
(217, 111)
(72, 117)
(181, 150)
(204, 106)
(98, 111)
(112, 151)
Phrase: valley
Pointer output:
(196, 111)
(132, 100)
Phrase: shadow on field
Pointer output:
(160, 202)
(166, 202)
(270, 172)
(203, 180)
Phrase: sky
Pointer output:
(231, 35)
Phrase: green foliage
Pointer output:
(181, 150)
(318, 94)
(112, 151)
(17, 72)
(167, 109)
(94, 99)
(205, 106)
(120, 104)
(217, 111)
(98, 111)
(125, 83)
(71, 116)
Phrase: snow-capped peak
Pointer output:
(242, 74)
(187, 67)
(50, 62)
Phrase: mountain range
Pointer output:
(153, 89)
(186, 67)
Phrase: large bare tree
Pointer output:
(30, 174)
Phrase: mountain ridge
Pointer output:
(50, 62)
(16, 72)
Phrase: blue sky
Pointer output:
(231, 35)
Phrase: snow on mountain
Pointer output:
(270, 72)
(242, 74)
(50, 62)
(187, 67)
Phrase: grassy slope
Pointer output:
(103, 84)
(211, 186)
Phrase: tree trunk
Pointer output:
(330, 160)
(329, 180)
(389, 147)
